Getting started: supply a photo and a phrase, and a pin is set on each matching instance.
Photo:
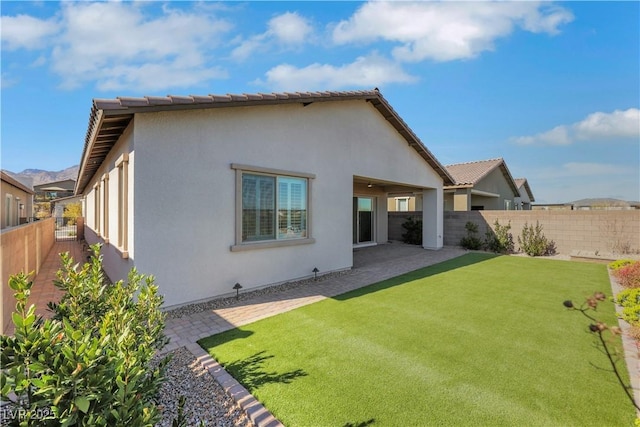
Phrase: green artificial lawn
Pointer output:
(480, 340)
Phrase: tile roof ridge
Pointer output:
(476, 161)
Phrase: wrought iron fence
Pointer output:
(66, 229)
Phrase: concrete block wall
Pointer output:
(24, 248)
(396, 219)
(603, 231)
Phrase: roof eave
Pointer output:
(126, 108)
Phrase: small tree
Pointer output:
(499, 239)
(533, 242)
(43, 210)
(606, 340)
(413, 234)
(71, 212)
(471, 241)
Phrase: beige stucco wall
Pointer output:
(184, 200)
(602, 231)
(17, 197)
(24, 249)
(463, 199)
(115, 264)
(414, 203)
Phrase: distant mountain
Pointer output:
(32, 177)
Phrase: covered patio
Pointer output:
(370, 211)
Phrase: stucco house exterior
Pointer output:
(523, 202)
(205, 192)
(54, 190)
(480, 185)
(17, 201)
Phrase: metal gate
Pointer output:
(66, 229)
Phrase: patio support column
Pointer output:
(432, 218)
(382, 223)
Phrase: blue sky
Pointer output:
(553, 88)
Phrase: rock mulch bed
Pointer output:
(206, 401)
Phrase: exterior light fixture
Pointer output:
(369, 185)
(237, 287)
(315, 273)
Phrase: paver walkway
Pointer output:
(371, 265)
(43, 290)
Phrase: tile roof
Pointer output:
(470, 173)
(14, 182)
(110, 117)
(523, 182)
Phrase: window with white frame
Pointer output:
(7, 210)
(123, 203)
(402, 204)
(273, 205)
(105, 216)
(96, 209)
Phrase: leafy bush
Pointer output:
(72, 211)
(534, 243)
(413, 235)
(471, 241)
(90, 364)
(629, 300)
(499, 239)
(628, 276)
(618, 264)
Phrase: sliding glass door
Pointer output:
(363, 220)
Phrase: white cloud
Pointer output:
(446, 31)
(596, 126)
(6, 81)
(26, 32)
(619, 124)
(365, 71)
(118, 47)
(289, 30)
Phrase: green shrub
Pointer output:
(533, 242)
(499, 239)
(629, 300)
(618, 264)
(90, 364)
(413, 235)
(471, 241)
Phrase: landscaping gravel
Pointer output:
(206, 400)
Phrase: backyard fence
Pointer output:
(595, 231)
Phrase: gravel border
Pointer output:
(206, 401)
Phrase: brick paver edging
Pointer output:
(630, 349)
(257, 413)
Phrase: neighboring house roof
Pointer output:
(11, 180)
(469, 174)
(520, 182)
(53, 189)
(56, 185)
(110, 117)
